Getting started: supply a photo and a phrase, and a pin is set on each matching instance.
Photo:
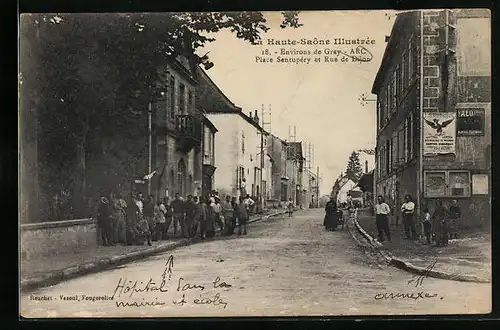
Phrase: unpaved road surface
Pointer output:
(283, 267)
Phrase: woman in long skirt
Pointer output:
(137, 226)
(119, 207)
(210, 219)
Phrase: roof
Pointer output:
(213, 85)
(229, 107)
(207, 122)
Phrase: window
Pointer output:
(394, 93)
(389, 97)
(395, 150)
(410, 61)
(182, 98)
(411, 138)
(242, 142)
(398, 88)
(401, 146)
(447, 184)
(388, 156)
(171, 96)
(190, 101)
(404, 71)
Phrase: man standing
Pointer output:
(105, 222)
(249, 203)
(217, 208)
(407, 210)
(454, 214)
(228, 213)
(440, 225)
(190, 214)
(242, 214)
(382, 211)
(178, 213)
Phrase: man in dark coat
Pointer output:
(105, 222)
(455, 214)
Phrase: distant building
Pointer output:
(276, 149)
(436, 63)
(238, 145)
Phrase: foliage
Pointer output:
(88, 78)
(354, 170)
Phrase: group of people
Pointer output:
(439, 226)
(148, 219)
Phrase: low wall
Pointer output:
(48, 238)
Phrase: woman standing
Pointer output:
(119, 207)
(210, 218)
(159, 214)
(331, 215)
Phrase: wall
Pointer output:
(51, 238)
(226, 152)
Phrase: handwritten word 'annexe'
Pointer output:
(414, 296)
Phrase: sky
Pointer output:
(320, 99)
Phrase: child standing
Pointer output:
(290, 207)
(426, 223)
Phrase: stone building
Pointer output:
(433, 92)
(181, 135)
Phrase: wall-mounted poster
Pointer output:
(480, 184)
(470, 122)
(439, 133)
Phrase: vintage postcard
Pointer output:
(255, 163)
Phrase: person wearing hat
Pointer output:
(217, 208)
(105, 222)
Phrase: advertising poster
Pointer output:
(439, 133)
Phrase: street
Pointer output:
(283, 267)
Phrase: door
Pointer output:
(181, 178)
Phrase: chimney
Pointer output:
(366, 166)
(256, 118)
(250, 115)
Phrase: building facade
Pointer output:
(208, 164)
(240, 144)
(177, 135)
(277, 153)
(433, 112)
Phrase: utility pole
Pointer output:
(262, 191)
(292, 138)
(150, 146)
(317, 186)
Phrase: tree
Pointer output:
(354, 170)
(84, 73)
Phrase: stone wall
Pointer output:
(50, 238)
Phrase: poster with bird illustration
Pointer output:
(439, 133)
